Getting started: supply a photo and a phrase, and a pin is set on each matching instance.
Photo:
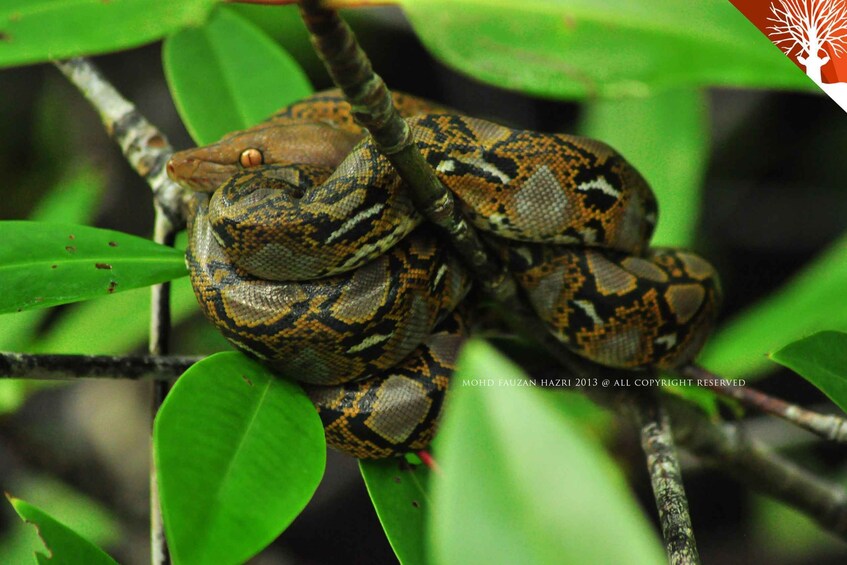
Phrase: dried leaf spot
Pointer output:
(111, 288)
(416, 504)
(106, 266)
(54, 266)
(113, 244)
(70, 248)
(246, 380)
(72, 237)
(5, 37)
(39, 299)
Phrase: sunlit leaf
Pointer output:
(522, 484)
(40, 30)
(228, 75)
(44, 264)
(812, 301)
(614, 48)
(64, 546)
(239, 453)
(821, 359)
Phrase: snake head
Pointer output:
(204, 169)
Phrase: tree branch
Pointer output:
(727, 448)
(665, 477)
(145, 147)
(56, 367)
(828, 426)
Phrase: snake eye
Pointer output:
(251, 158)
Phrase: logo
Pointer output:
(812, 33)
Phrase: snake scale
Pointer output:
(307, 253)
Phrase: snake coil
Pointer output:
(307, 253)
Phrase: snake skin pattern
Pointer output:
(306, 252)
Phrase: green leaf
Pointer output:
(811, 301)
(666, 137)
(74, 201)
(229, 75)
(33, 31)
(239, 453)
(614, 48)
(65, 546)
(521, 484)
(44, 264)
(400, 497)
(821, 359)
(86, 328)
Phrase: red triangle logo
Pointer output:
(812, 33)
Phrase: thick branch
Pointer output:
(827, 426)
(665, 477)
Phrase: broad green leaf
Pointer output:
(813, 300)
(34, 31)
(614, 48)
(521, 484)
(239, 453)
(88, 327)
(64, 546)
(400, 496)
(666, 137)
(72, 200)
(821, 359)
(785, 534)
(80, 513)
(44, 264)
(229, 75)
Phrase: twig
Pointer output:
(160, 331)
(665, 477)
(828, 426)
(727, 448)
(147, 150)
(71, 367)
(145, 147)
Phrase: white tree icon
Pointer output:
(807, 28)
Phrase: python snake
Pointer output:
(307, 253)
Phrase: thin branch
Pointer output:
(147, 150)
(55, 367)
(145, 147)
(828, 426)
(665, 477)
(160, 331)
(728, 448)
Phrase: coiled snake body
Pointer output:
(310, 256)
